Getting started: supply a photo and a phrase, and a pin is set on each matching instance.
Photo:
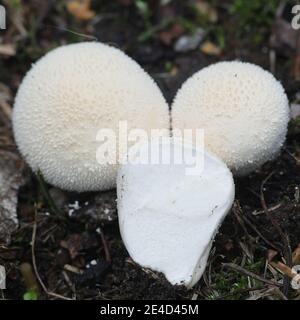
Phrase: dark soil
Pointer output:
(266, 214)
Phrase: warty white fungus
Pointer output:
(171, 227)
(67, 96)
(242, 108)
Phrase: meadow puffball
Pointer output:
(171, 227)
(242, 108)
(67, 97)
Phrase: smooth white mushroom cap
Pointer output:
(242, 108)
(67, 96)
(168, 218)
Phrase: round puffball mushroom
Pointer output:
(67, 97)
(242, 108)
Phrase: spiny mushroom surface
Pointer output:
(242, 108)
(171, 227)
(66, 97)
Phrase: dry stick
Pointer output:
(105, 246)
(53, 294)
(242, 217)
(283, 268)
(273, 221)
(73, 32)
(291, 155)
(235, 267)
(238, 291)
(237, 211)
(260, 234)
(284, 237)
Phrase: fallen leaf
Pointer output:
(190, 42)
(80, 9)
(72, 269)
(210, 49)
(207, 10)
(11, 178)
(283, 268)
(296, 255)
(167, 36)
(173, 72)
(7, 49)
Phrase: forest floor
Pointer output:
(68, 245)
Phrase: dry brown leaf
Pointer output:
(7, 49)
(210, 49)
(11, 167)
(80, 9)
(206, 9)
(296, 255)
(174, 71)
(283, 268)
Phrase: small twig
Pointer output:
(283, 268)
(237, 211)
(274, 208)
(284, 237)
(269, 293)
(260, 234)
(71, 31)
(297, 160)
(238, 291)
(273, 221)
(105, 246)
(72, 269)
(240, 269)
(53, 294)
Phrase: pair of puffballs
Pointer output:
(75, 90)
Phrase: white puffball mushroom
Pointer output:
(171, 227)
(70, 94)
(242, 108)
